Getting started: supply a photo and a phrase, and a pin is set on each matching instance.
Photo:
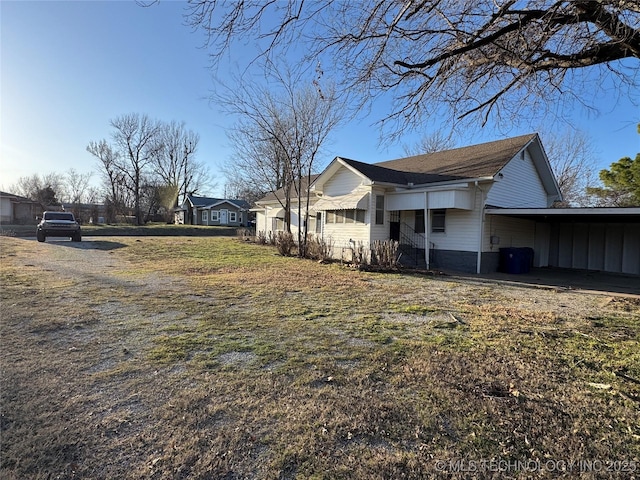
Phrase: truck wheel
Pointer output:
(40, 236)
(77, 237)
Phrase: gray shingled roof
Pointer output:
(475, 161)
(483, 160)
(206, 201)
(279, 194)
(378, 173)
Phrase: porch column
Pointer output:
(427, 230)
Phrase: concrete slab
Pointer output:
(595, 282)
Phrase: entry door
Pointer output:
(223, 216)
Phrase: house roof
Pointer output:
(278, 195)
(209, 202)
(483, 160)
(381, 174)
(16, 198)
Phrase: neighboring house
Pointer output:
(15, 209)
(212, 211)
(456, 209)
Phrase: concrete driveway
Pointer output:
(595, 282)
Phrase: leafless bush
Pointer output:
(385, 253)
(244, 232)
(359, 256)
(284, 243)
(261, 237)
(318, 248)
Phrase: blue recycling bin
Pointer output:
(516, 260)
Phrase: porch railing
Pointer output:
(412, 246)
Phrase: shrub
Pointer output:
(385, 253)
(261, 238)
(359, 256)
(244, 232)
(318, 248)
(284, 243)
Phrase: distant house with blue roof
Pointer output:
(213, 211)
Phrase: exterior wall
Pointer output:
(6, 210)
(461, 232)
(511, 232)
(241, 217)
(20, 212)
(608, 247)
(265, 220)
(344, 181)
(520, 186)
(377, 232)
(345, 235)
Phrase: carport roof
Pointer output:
(575, 215)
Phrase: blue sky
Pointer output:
(67, 68)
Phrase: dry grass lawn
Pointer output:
(170, 358)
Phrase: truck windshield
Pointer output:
(58, 216)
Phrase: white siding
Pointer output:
(451, 199)
(461, 231)
(405, 201)
(378, 232)
(344, 181)
(519, 187)
(513, 232)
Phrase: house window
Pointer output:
(419, 227)
(345, 216)
(318, 222)
(215, 215)
(278, 224)
(205, 216)
(438, 221)
(239, 217)
(233, 217)
(379, 209)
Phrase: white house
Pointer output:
(458, 208)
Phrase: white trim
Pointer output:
(551, 212)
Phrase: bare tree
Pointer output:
(77, 185)
(174, 162)
(116, 199)
(279, 135)
(573, 160)
(33, 186)
(477, 59)
(437, 141)
(136, 139)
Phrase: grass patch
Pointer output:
(214, 358)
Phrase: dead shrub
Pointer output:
(261, 237)
(359, 255)
(284, 243)
(318, 248)
(385, 253)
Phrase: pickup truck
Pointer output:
(58, 224)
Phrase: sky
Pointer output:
(68, 68)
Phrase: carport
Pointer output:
(599, 239)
